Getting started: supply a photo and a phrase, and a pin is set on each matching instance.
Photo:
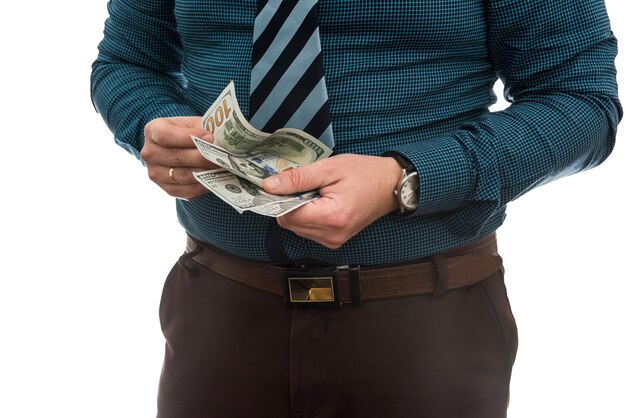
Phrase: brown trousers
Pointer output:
(234, 351)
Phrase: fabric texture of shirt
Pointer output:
(414, 77)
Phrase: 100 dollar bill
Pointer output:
(246, 196)
(232, 132)
(253, 167)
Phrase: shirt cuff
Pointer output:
(446, 174)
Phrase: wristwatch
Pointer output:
(407, 191)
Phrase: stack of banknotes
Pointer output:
(248, 155)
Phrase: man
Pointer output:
(401, 243)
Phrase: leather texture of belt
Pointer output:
(302, 284)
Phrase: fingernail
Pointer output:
(272, 182)
(207, 137)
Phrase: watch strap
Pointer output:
(401, 159)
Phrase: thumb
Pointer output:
(301, 179)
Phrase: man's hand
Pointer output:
(171, 156)
(356, 190)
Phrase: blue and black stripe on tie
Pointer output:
(287, 85)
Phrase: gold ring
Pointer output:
(172, 176)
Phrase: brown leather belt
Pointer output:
(302, 284)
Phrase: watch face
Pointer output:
(409, 193)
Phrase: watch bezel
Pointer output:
(407, 179)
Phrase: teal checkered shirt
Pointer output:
(414, 77)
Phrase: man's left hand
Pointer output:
(355, 191)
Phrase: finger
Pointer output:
(173, 175)
(319, 221)
(184, 157)
(174, 157)
(301, 179)
(178, 175)
(175, 133)
(328, 238)
(304, 221)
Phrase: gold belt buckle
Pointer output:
(311, 288)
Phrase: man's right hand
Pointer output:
(172, 157)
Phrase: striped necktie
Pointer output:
(287, 86)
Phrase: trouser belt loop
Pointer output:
(355, 285)
(440, 276)
(183, 259)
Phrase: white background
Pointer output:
(87, 241)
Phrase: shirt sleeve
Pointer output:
(137, 74)
(556, 60)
